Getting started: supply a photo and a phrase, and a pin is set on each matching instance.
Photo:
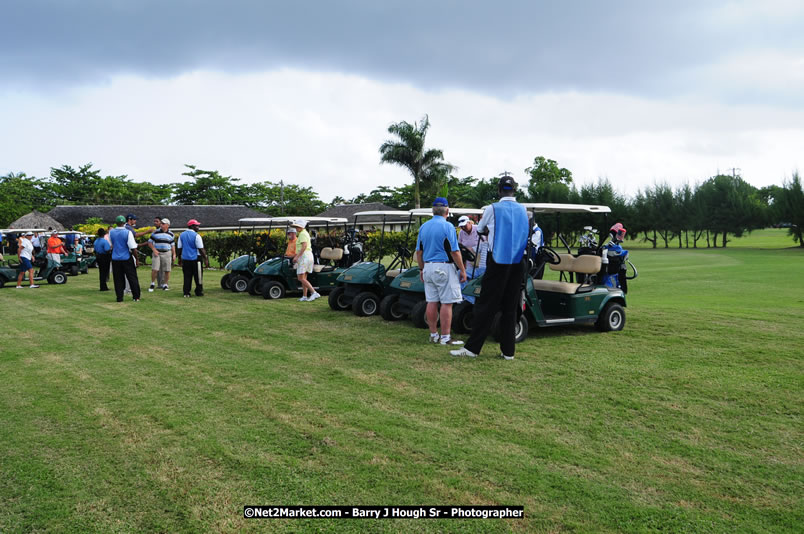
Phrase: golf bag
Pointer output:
(613, 271)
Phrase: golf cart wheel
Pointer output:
(57, 277)
(2, 283)
(238, 284)
(73, 270)
(225, 280)
(418, 315)
(366, 304)
(612, 319)
(337, 299)
(255, 286)
(273, 290)
(389, 308)
(520, 328)
(462, 317)
(85, 270)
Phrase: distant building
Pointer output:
(208, 216)
(369, 222)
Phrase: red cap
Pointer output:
(193, 222)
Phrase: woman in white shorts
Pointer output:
(303, 260)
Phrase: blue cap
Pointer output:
(131, 216)
(440, 201)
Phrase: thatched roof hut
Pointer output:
(37, 219)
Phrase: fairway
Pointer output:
(171, 414)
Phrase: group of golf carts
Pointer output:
(45, 268)
(590, 289)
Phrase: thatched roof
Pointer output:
(37, 219)
(209, 216)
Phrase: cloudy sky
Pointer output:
(636, 92)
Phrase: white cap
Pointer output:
(301, 223)
(291, 230)
(463, 220)
(165, 221)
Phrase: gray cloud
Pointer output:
(501, 48)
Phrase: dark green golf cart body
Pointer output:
(276, 277)
(362, 286)
(44, 269)
(241, 271)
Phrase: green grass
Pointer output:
(171, 414)
(767, 238)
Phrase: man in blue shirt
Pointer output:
(437, 255)
(124, 267)
(103, 256)
(191, 247)
(507, 225)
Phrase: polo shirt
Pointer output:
(162, 241)
(26, 250)
(468, 240)
(102, 246)
(122, 243)
(436, 236)
(506, 247)
(189, 244)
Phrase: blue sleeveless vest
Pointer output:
(510, 232)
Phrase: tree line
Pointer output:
(705, 213)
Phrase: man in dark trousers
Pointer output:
(507, 224)
(124, 268)
(191, 247)
(103, 256)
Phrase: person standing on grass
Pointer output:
(162, 244)
(55, 248)
(507, 225)
(124, 267)
(103, 255)
(438, 256)
(25, 254)
(191, 246)
(303, 260)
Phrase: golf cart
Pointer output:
(364, 284)
(407, 297)
(277, 276)
(578, 297)
(47, 268)
(241, 269)
(73, 263)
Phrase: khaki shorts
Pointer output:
(163, 261)
(441, 283)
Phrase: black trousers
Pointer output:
(123, 270)
(192, 271)
(104, 264)
(500, 291)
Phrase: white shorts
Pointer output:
(305, 264)
(441, 283)
(54, 257)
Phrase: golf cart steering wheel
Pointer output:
(468, 255)
(549, 255)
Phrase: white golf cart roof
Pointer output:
(565, 208)
(382, 213)
(257, 220)
(21, 230)
(428, 212)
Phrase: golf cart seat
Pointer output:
(393, 273)
(329, 253)
(581, 265)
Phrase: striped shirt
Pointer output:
(162, 241)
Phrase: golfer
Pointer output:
(55, 248)
(124, 267)
(468, 235)
(163, 248)
(191, 246)
(507, 225)
(437, 255)
(290, 251)
(103, 255)
(25, 254)
(303, 260)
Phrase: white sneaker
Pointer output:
(304, 299)
(19, 287)
(504, 357)
(434, 339)
(33, 286)
(165, 288)
(446, 340)
(151, 289)
(314, 296)
(463, 352)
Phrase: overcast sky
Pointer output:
(636, 92)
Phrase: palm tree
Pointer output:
(409, 152)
